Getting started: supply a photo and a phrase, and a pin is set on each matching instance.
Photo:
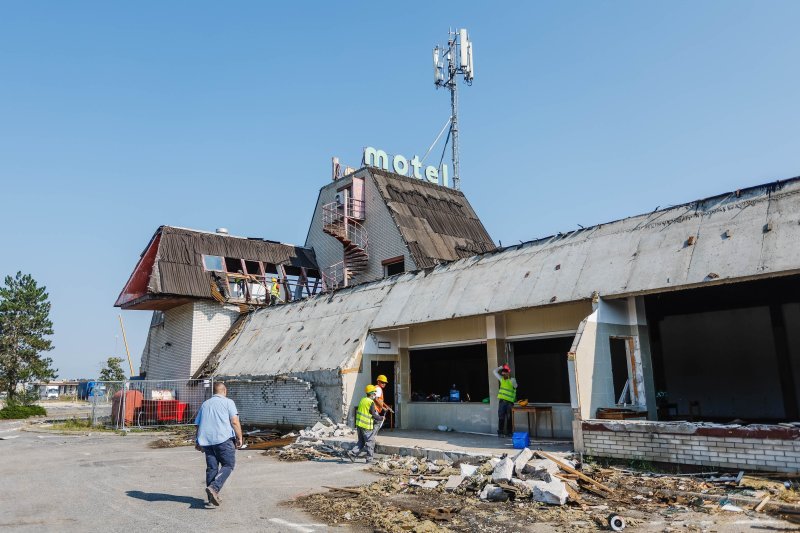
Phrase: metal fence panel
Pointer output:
(147, 403)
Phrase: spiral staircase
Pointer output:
(343, 222)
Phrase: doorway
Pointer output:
(387, 369)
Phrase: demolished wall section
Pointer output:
(275, 402)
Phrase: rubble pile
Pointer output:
(512, 493)
(323, 431)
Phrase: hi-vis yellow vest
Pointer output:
(275, 290)
(364, 419)
(507, 391)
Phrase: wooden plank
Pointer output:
(761, 505)
(571, 470)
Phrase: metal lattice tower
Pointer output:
(459, 61)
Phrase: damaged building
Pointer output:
(671, 336)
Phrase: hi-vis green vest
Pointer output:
(275, 290)
(364, 418)
(507, 391)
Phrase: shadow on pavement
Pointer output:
(194, 503)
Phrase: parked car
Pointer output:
(52, 393)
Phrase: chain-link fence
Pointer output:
(148, 403)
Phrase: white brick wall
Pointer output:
(167, 352)
(280, 401)
(211, 321)
(176, 348)
(775, 455)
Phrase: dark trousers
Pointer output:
(220, 461)
(366, 442)
(504, 417)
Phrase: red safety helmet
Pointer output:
(506, 368)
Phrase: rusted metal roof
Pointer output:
(437, 223)
(177, 269)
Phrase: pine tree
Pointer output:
(113, 370)
(24, 325)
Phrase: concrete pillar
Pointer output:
(495, 354)
(403, 380)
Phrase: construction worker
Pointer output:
(507, 395)
(366, 416)
(274, 292)
(380, 404)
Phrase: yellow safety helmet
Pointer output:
(382, 378)
(274, 280)
(369, 389)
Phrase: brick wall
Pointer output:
(210, 322)
(177, 346)
(167, 352)
(766, 448)
(280, 401)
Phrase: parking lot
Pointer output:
(107, 482)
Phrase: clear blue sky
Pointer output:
(117, 117)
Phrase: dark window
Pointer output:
(270, 268)
(233, 265)
(434, 371)
(253, 267)
(213, 262)
(541, 370)
(397, 267)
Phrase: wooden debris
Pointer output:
(343, 489)
(761, 505)
(571, 470)
(277, 443)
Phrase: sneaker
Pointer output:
(350, 456)
(213, 496)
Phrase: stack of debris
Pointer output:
(325, 431)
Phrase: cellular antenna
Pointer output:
(458, 55)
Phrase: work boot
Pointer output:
(350, 456)
(213, 496)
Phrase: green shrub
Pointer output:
(14, 411)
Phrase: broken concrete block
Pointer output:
(453, 482)
(522, 459)
(493, 461)
(504, 471)
(542, 469)
(430, 484)
(468, 470)
(554, 492)
(493, 493)
(319, 426)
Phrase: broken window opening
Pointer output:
(157, 319)
(270, 268)
(253, 267)
(436, 372)
(233, 265)
(213, 263)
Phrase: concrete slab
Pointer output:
(451, 444)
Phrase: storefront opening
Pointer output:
(541, 369)
(730, 352)
(437, 371)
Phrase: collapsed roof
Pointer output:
(170, 270)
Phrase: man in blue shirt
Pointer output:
(218, 435)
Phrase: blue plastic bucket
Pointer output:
(521, 439)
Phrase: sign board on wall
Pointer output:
(374, 157)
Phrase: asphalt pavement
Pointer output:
(107, 482)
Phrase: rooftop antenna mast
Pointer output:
(458, 55)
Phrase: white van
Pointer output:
(52, 393)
